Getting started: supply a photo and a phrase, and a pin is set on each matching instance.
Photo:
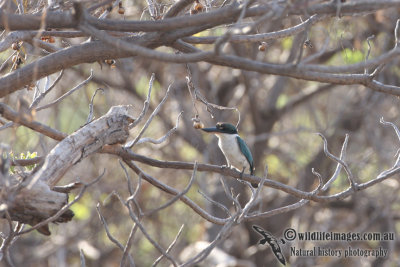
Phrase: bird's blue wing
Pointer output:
(246, 152)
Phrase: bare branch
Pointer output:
(178, 196)
(170, 246)
(254, 196)
(368, 52)
(145, 104)
(90, 116)
(396, 165)
(230, 196)
(396, 32)
(223, 15)
(387, 123)
(40, 97)
(155, 112)
(300, 203)
(129, 155)
(109, 129)
(82, 258)
(173, 191)
(113, 239)
(153, 242)
(27, 162)
(27, 121)
(134, 49)
(274, 212)
(63, 209)
(128, 180)
(109, 235)
(128, 247)
(10, 239)
(177, 7)
(58, 100)
(320, 183)
(225, 209)
(223, 233)
(338, 166)
(163, 138)
(353, 184)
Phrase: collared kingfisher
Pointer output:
(235, 150)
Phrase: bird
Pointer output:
(234, 148)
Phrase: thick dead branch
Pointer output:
(112, 128)
(34, 205)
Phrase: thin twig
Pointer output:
(395, 128)
(109, 235)
(170, 246)
(90, 116)
(300, 203)
(128, 178)
(353, 184)
(178, 196)
(368, 52)
(155, 112)
(338, 166)
(9, 240)
(199, 97)
(173, 191)
(397, 163)
(216, 203)
(27, 121)
(80, 85)
(320, 183)
(254, 196)
(40, 97)
(274, 212)
(163, 138)
(222, 234)
(396, 33)
(82, 258)
(230, 196)
(145, 104)
(128, 247)
(153, 242)
(137, 190)
(192, 89)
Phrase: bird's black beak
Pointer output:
(211, 130)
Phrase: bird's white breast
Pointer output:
(232, 153)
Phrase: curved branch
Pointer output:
(130, 156)
(175, 192)
(27, 120)
(260, 36)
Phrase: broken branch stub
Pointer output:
(112, 128)
(37, 199)
(31, 206)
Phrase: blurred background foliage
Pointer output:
(279, 131)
